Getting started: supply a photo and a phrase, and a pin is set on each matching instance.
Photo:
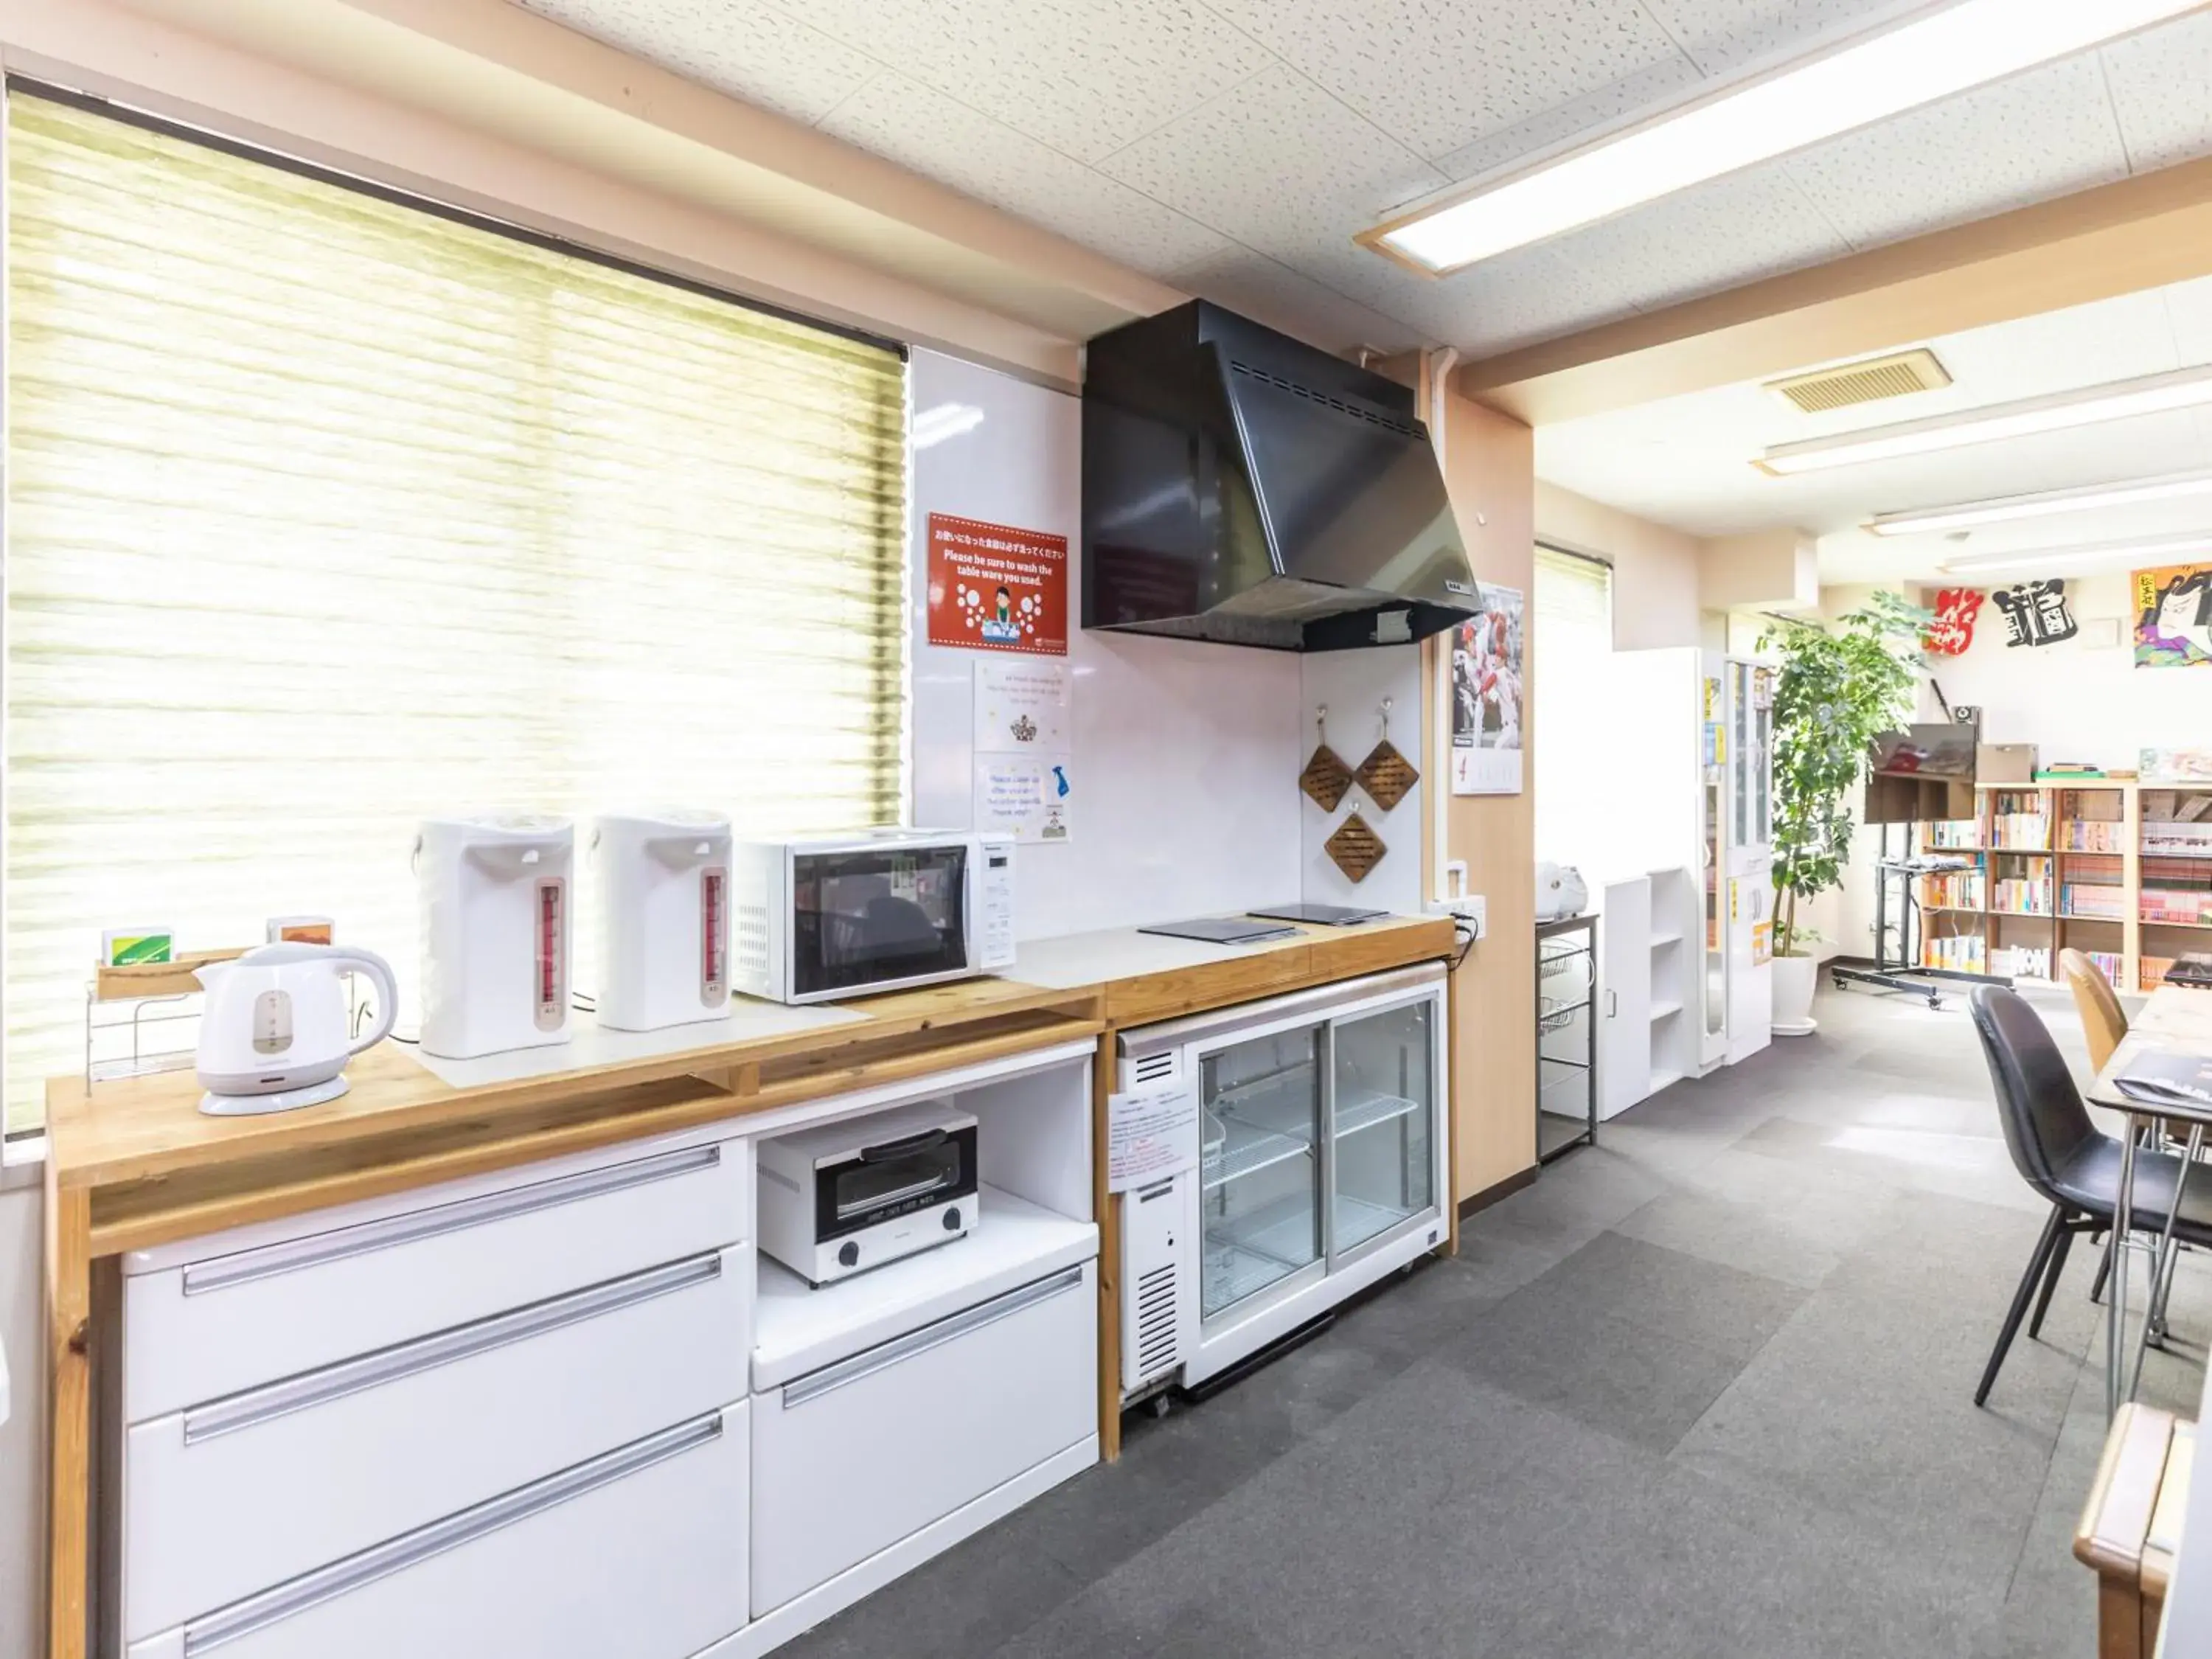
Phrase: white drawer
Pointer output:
(851, 1459)
(205, 1328)
(226, 1499)
(641, 1552)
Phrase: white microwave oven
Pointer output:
(852, 1195)
(845, 916)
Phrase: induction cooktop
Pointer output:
(1221, 930)
(1322, 916)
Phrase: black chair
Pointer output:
(2066, 1158)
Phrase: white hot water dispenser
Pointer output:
(663, 883)
(497, 896)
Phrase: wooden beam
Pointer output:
(2115, 239)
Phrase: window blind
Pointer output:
(327, 512)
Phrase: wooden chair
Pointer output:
(2103, 1022)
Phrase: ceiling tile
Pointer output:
(1438, 74)
(1725, 36)
(1666, 81)
(1277, 164)
(2028, 139)
(1085, 76)
(746, 49)
(1275, 294)
(945, 139)
(2160, 80)
(1751, 224)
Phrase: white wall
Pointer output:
(2075, 702)
(1186, 756)
(1352, 685)
(23, 1439)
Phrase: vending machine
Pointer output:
(1739, 839)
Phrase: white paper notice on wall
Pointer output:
(1151, 1134)
(1024, 773)
(1031, 799)
(1021, 706)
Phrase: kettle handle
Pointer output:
(352, 959)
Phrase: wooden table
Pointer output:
(2174, 1021)
(132, 1164)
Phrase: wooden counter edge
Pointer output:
(76, 1144)
(2115, 1515)
(68, 1326)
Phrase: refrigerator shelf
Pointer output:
(1366, 1112)
(1247, 1151)
(1358, 1220)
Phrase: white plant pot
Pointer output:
(1795, 981)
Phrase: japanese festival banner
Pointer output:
(2173, 615)
(2035, 613)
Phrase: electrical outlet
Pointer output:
(1472, 910)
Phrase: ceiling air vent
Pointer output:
(1863, 382)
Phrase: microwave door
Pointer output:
(866, 919)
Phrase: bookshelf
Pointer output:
(2119, 869)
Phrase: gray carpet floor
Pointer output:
(1705, 1389)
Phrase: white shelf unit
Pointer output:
(1650, 986)
(1677, 976)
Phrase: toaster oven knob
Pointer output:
(952, 1218)
(848, 1254)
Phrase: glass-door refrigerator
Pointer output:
(1315, 1166)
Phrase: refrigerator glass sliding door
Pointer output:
(1382, 1116)
(1260, 1171)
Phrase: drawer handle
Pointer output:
(901, 1349)
(250, 1266)
(411, 1549)
(259, 1406)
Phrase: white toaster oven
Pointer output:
(841, 1198)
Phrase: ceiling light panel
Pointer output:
(1967, 515)
(2095, 556)
(2152, 394)
(1962, 45)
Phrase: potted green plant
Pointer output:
(1837, 689)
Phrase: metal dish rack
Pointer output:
(1567, 1035)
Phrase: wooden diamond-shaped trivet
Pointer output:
(1355, 848)
(1386, 774)
(1326, 778)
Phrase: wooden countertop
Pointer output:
(155, 1169)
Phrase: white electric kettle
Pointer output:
(273, 1035)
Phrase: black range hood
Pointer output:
(1242, 487)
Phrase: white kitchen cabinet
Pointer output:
(642, 1553)
(215, 1315)
(226, 1499)
(1623, 994)
(854, 1458)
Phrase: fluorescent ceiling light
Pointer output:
(2152, 394)
(2095, 555)
(2049, 504)
(1869, 79)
